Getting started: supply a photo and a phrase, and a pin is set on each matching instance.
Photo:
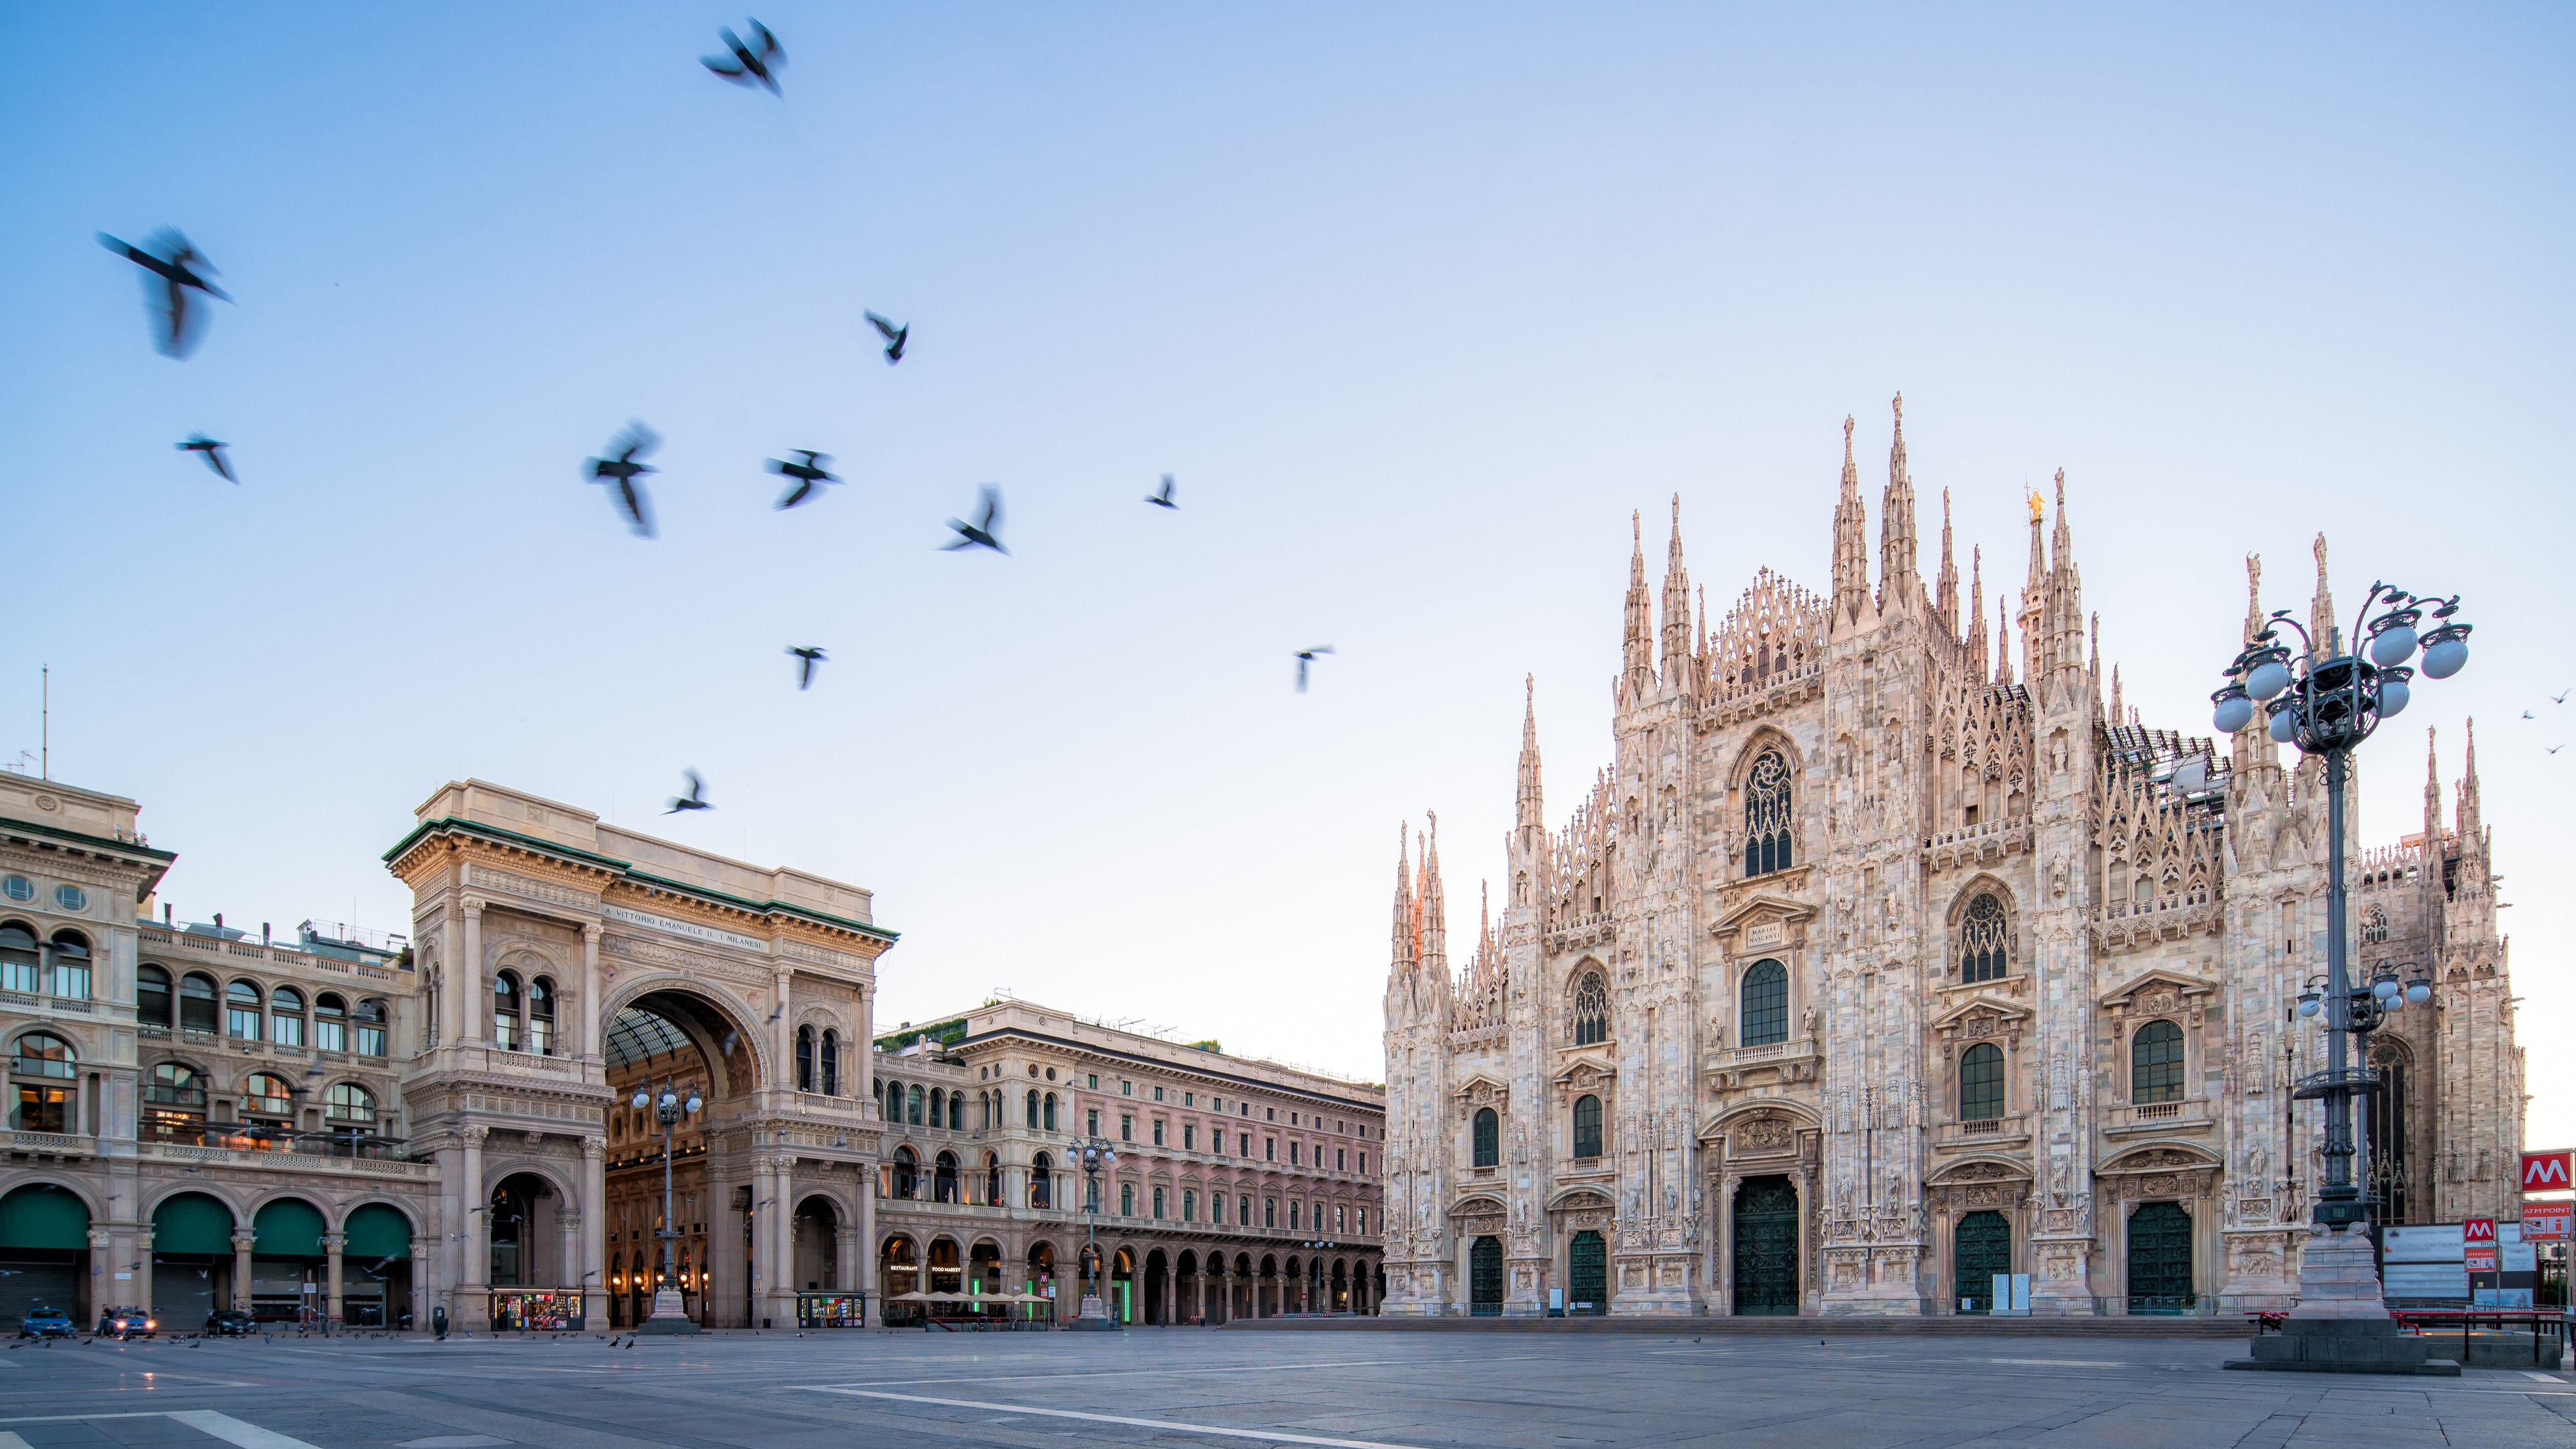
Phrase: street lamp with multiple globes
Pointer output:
(670, 1105)
(2326, 699)
(1097, 1154)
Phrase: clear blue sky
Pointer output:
(1417, 302)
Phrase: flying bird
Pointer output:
(980, 533)
(1162, 497)
(1306, 657)
(212, 452)
(895, 337)
(2554, 749)
(2527, 714)
(696, 799)
(2561, 696)
(177, 324)
(620, 471)
(748, 67)
(811, 655)
(809, 475)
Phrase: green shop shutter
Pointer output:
(289, 1229)
(377, 1231)
(41, 1215)
(192, 1223)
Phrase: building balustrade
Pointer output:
(2128, 1119)
(2009, 1130)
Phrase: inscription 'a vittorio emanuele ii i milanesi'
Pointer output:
(1892, 954)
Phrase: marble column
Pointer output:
(472, 1306)
(242, 1244)
(471, 1001)
(864, 1279)
(845, 1259)
(419, 1287)
(594, 1230)
(334, 1281)
(102, 1250)
(591, 1025)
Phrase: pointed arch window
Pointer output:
(1985, 941)
(1050, 1111)
(1587, 1126)
(1489, 1138)
(804, 1058)
(2155, 1063)
(1765, 996)
(1981, 1083)
(1591, 1009)
(831, 1062)
(1033, 1108)
(2374, 926)
(1767, 800)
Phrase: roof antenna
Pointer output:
(45, 729)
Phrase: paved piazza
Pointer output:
(1186, 1386)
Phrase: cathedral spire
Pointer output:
(2066, 601)
(2118, 714)
(2432, 797)
(1677, 609)
(1976, 608)
(1851, 550)
(2253, 743)
(1407, 945)
(1531, 817)
(1898, 583)
(2003, 640)
(1638, 676)
(1945, 593)
(2036, 645)
(2321, 609)
(1435, 908)
(2469, 826)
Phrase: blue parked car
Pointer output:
(47, 1323)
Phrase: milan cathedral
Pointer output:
(1888, 958)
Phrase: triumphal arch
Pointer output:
(563, 963)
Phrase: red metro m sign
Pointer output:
(2548, 1171)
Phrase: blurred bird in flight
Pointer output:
(177, 270)
(620, 470)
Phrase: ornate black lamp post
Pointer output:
(670, 1105)
(1096, 1154)
(2327, 699)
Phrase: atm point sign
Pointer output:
(2546, 1222)
(2553, 1171)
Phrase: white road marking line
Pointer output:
(2544, 1378)
(233, 1431)
(1246, 1368)
(2067, 1362)
(1270, 1436)
(222, 1426)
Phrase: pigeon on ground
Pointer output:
(1162, 497)
(811, 654)
(621, 472)
(981, 533)
(809, 475)
(696, 799)
(1306, 657)
(895, 337)
(747, 66)
(213, 452)
(177, 324)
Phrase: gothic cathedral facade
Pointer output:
(1882, 962)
